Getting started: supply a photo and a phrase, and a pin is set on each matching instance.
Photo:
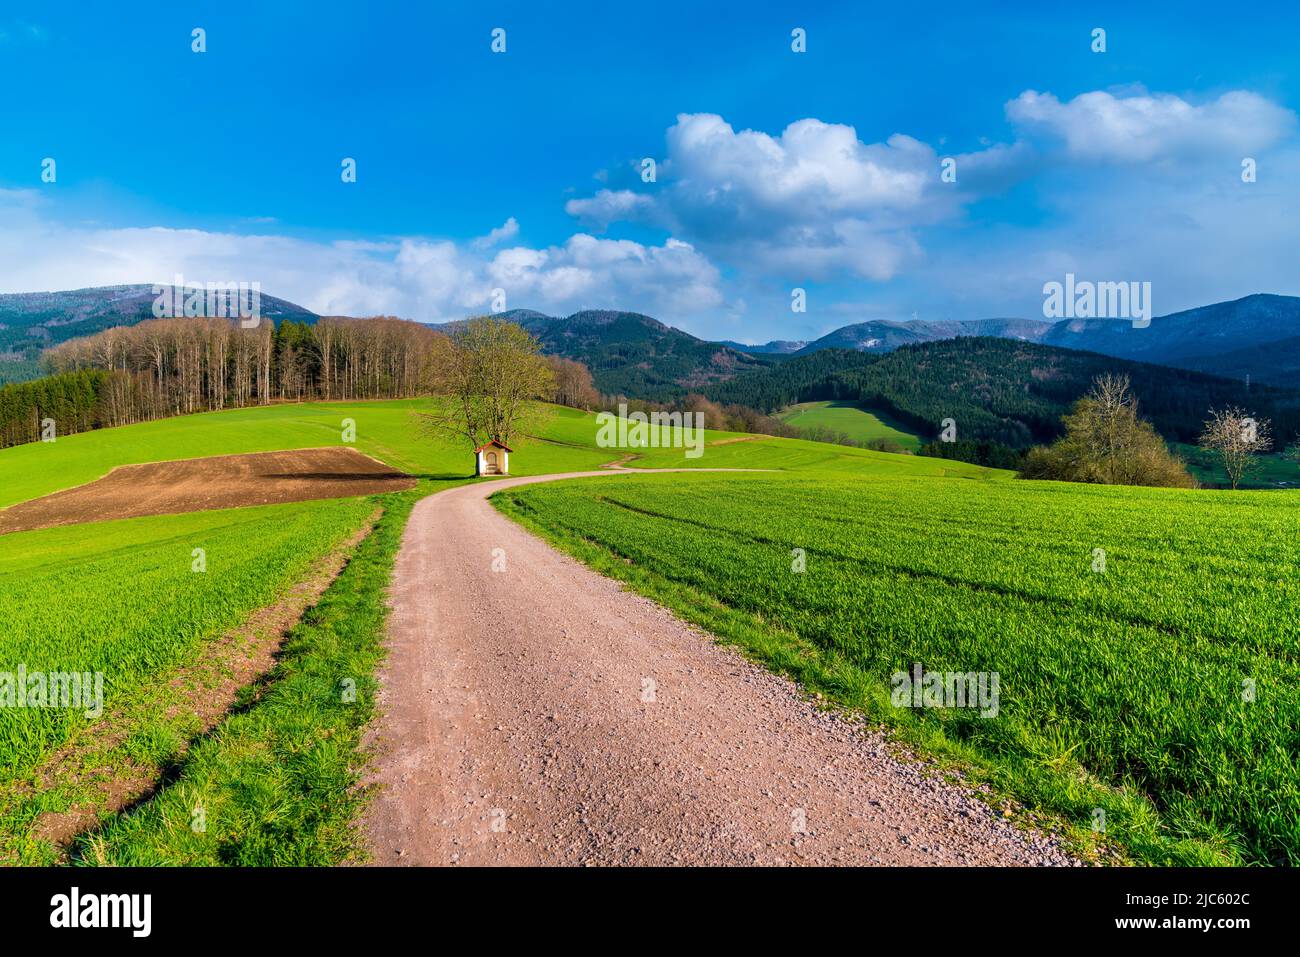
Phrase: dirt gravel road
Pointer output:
(535, 712)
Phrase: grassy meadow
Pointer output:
(1122, 689)
(387, 431)
(277, 780)
(858, 423)
(120, 597)
(738, 451)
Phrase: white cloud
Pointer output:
(811, 203)
(807, 204)
(594, 272)
(818, 203)
(506, 231)
(608, 206)
(1144, 127)
(813, 168)
(416, 278)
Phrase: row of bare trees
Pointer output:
(572, 384)
(178, 366)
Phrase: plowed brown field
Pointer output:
(224, 481)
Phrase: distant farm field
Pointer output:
(1144, 638)
(734, 451)
(858, 423)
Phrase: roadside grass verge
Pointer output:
(123, 600)
(276, 783)
(133, 599)
(1121, 691)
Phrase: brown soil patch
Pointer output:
(196, 698)
(223, 481)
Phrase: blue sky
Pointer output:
(520, 171)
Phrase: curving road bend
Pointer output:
(534, 712)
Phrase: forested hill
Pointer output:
(634, 355)
(1000, 390)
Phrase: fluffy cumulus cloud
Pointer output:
(503, 233)
(813, 201)
(609, 206)
(810, 170)
(417, 278)
(589, 270)
(1143, 127)
(819, 202)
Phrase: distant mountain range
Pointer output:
(885, 335)
(778, 347)
(636, 355)
(1211, 338)
(32, 321)
(633, 354)
(1257, 336)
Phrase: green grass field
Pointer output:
(389, 432)
(858, 423)
(385, 430)
(277, 780)
(733, 451)
(1121, 690)
(122, 599)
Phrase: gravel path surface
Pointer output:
(535, 712)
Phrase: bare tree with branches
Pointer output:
(1236, 439)
(492, 375)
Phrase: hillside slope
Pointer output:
(1000, 390)
(632, 354)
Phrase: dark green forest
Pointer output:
(74, 400)
(1000, 390)
(633, 355)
